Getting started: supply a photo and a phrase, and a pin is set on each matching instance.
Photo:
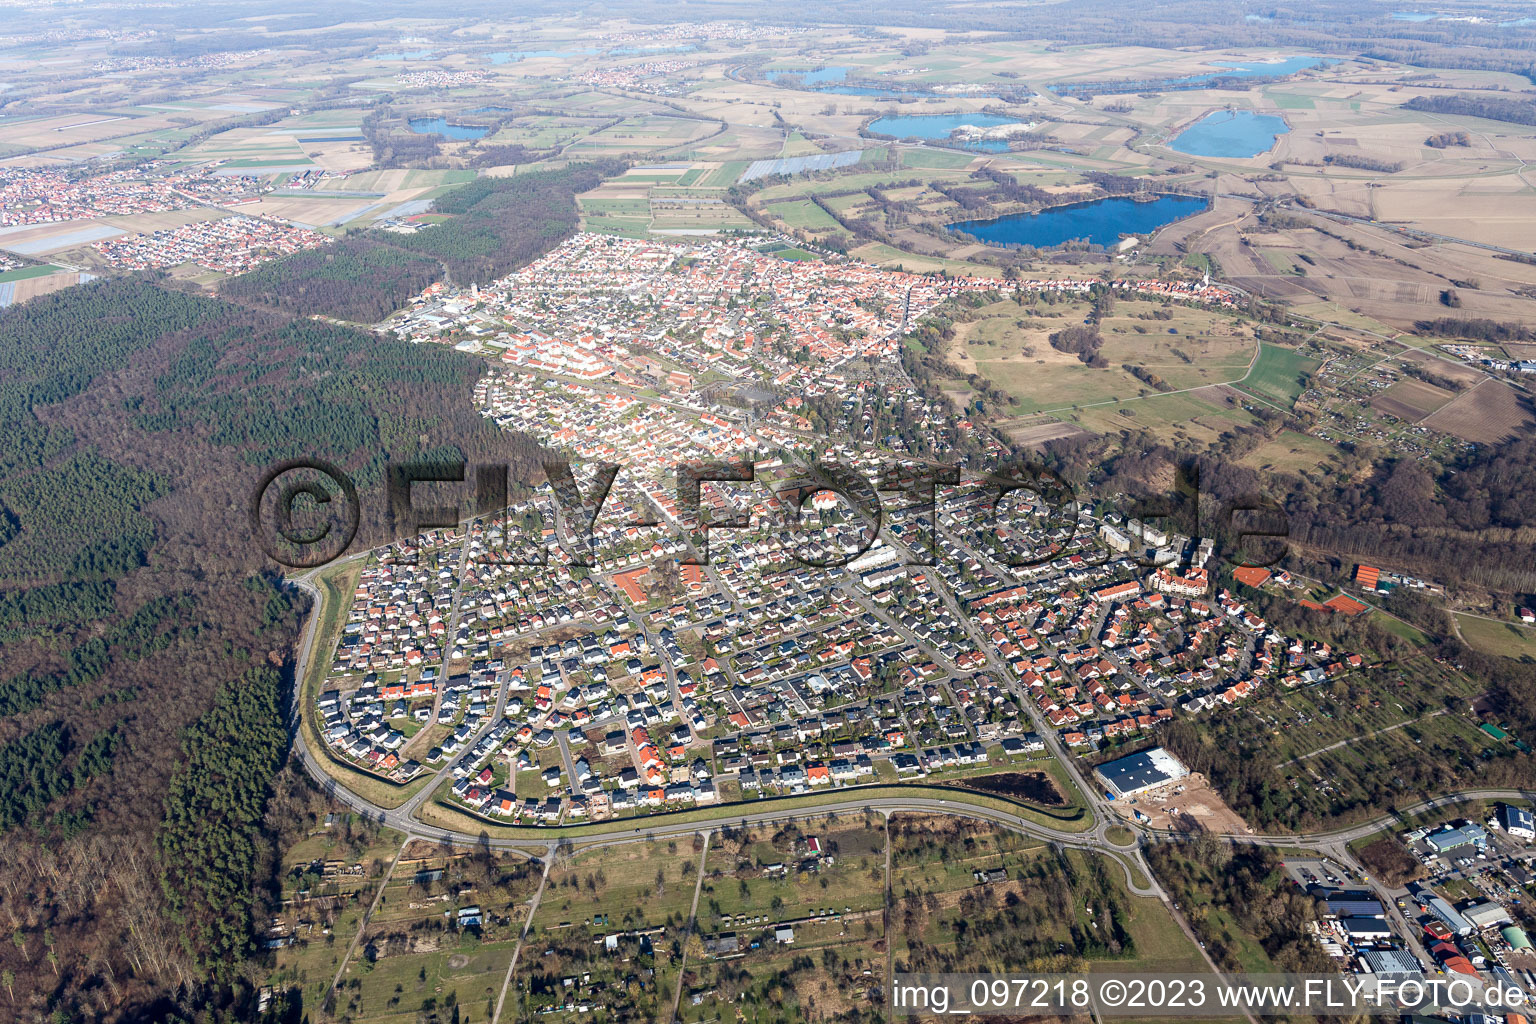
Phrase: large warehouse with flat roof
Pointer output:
(1138, 773)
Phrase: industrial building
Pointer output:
(1365, 929)
(1350, 903)
(1389, 961)
(1487, 915)
(1139, 773)
(1455, 838)
(1517, 822)
(1449, 916)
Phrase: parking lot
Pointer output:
(1310, 872)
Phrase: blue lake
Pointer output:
(832, 80)
(811, 77)
(441, 126)
(936, 127)
(1100, 221)
(1230, 133)
(1414, 16)
(637, 51)
(1261, 69)
(1230, 69)
(511, 57)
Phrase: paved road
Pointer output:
(1138, 878)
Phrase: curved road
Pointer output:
(403, 818)
(1138, 877)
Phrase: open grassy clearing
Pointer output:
(1279, 375)
(1508, 639)
(1203, 414)
(1290, 452)
(1008, 342)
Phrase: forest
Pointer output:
(1219, 885)
(209, 839)
(1490, 107)
(1083, 342)
(145, 644)
(496, 225)
(361, 278)
(1476, 330)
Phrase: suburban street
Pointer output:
(1139, 879)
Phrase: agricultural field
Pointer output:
(803, 214)
(547, 131)
(1279, 375)
(1412, 400)
(1487, 414)
(644, 134)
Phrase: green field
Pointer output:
(725, 175)
(803, 213)
(23, 273)
(1279, 375)
(1502, 638)
(1397, 627)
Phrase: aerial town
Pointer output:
(816, 514)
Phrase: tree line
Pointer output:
(1492, 108)
(496, 225)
